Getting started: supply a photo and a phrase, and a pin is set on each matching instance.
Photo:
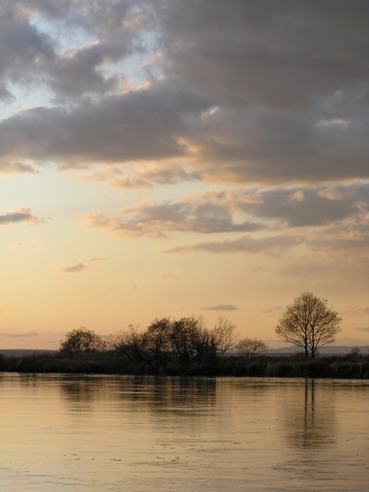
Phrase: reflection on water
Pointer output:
(311, 417)
(137, 393)
(116, 433)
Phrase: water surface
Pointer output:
(117, 433)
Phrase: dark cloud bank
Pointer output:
(240, 94)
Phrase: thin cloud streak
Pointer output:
(81, 266)
(220, 307)
(28, 334)
(365, 329)
(246, 244)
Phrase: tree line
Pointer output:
(187, 347)
(307, 323)
(185, 340)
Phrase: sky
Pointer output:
(181, 158)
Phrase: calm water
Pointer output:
(118, 433)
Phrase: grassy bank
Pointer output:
(349, 366)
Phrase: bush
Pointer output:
(347, 369)
(280, 369)
(317, 368)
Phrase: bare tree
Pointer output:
(308, 323)
(81, 340)
(131, 342)
(222, 337)
(251, 347)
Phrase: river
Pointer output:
(145, 434)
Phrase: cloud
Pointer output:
(221, 307)
(334, 216)
(261, 145)
(146, 175)
(241, 93)
(21, 215)
(301, 207)
(365, 329)
(273, 309)
(76, 268)
(138, 125)
(33, 46)
(77, 73)
(206, 214)
(245, 244)
(81, 266)
(23, 48)
(27, 334)
(294, 54)
(17, 167)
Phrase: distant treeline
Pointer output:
(353, 365)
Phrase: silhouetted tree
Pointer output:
(185, 336)
(158, 338)
(251, 347)
(308, 323)
(222, 337)
(131, 342)
(81, 340)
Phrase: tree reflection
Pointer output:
(311, 417)
(80, 392)
(163, 393)
(157, 394)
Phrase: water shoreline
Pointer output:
(350, 366)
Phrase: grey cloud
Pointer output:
(289, 82)
(221, 307)
(17, 167)
(253, 144)
(21, 215)
(202, 215)
(281, 55)
(23, 48)
(147, 175)
(5, 94)
(110, 17)
(76, 268)
(81, 266)
(339, 207)
(168, 174)
(143, 124)
(78, 74)
(29, 55)
(97, 258)
(246, 244)
(300, 207)
(272, 309)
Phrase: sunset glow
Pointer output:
(177, 158)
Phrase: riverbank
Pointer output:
(355, 366)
